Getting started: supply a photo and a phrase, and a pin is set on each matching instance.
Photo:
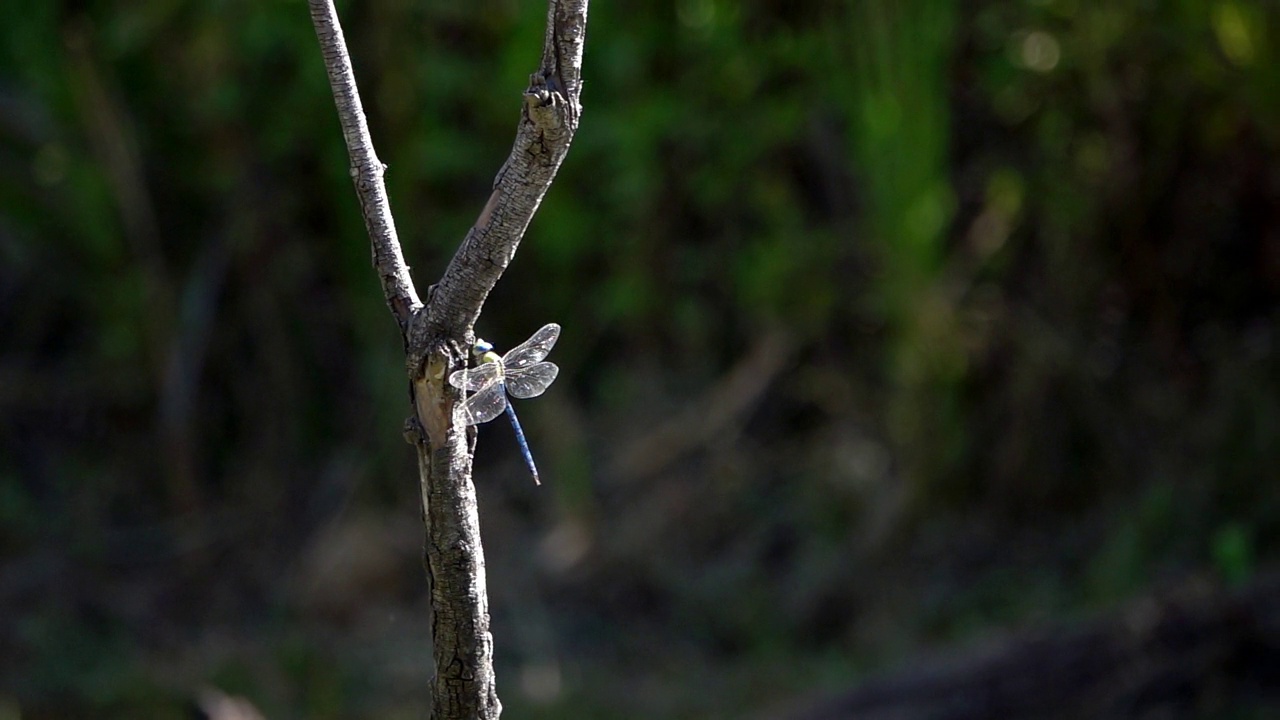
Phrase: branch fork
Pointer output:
(437, 334)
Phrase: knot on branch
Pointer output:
(413, 432)
(550, 109)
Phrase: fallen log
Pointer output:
(1199, 652)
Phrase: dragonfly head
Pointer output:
(481, 349)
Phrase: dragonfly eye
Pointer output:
(481, 347)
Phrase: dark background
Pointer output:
(889, 328)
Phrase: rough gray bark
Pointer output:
(437, 335)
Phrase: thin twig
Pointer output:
(709, 416)
(366, 169)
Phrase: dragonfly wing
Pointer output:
(476, 378)
(486, 404)
(531, 381)
(532, 350)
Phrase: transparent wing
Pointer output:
(476, 378)
(485, 405)
(531, 381)
(532, 350)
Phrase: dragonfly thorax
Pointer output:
(521, 373)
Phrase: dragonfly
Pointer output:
(520, 373)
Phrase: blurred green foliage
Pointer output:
(1004, 274)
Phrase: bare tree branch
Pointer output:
(436, 336)
(455, 559)
(366, 168)
(548, 122)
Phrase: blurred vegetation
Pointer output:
(887, 325)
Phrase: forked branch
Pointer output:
(436, 335)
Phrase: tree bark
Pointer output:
(437, 335)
